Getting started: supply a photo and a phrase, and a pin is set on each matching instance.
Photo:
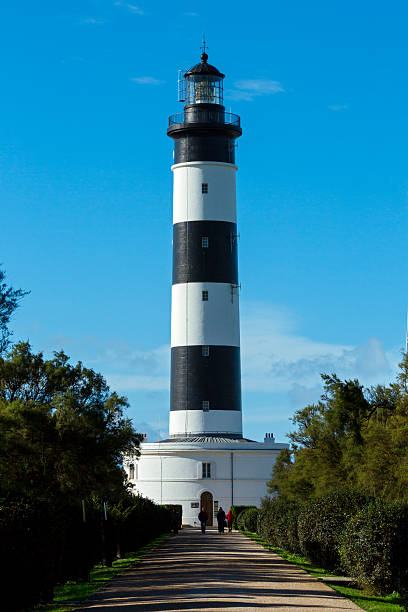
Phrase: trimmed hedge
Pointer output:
(321, 522)
(367, 538)
(278, 523)
(374, 547)
(248, 519)
(135, 521)
(46, 542)
(177, 515)
(236, 511)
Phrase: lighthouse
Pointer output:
(206, 461)
(205, 340)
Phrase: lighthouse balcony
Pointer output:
(207, 117)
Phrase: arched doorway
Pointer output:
(207, 503)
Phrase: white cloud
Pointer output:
(248, 89)
(152, 430)
(275, 358)
(136, 370)
(93, 21)
(191, 14)
(147, 80)
(130, 382)
(338, 107)
(136, 10)
(124, 367)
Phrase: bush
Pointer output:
(374, 547)
(23, 527)
(47, 542)
(278, 523)
(236, 511)
(248, 519)
(136, 520)
(177, 509)
(321, 522)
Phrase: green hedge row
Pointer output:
(321, 523)
(176, 515)
(44, 543)
(236, 511)
(277, 523)
(374, 547)
(345, 531)
(247, 520)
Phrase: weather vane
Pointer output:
(203, 49)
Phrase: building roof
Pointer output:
(204, 68)
(206, 439)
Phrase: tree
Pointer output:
(354, 437)
(62, 431)
(288, 480)
(9, 301)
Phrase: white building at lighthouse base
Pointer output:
(204, 471)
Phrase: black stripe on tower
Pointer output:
(203, 134)
(215, 378)
(204, 147)
(205, 251)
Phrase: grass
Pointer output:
(372, 603)
(76, 592)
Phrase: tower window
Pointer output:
(205, 351)
(205, 296)
(204, 187)
(131, 471)
(204, 242)
(206, 405)
(206, 470)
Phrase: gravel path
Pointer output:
(192, 571)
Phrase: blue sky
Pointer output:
(85, 188)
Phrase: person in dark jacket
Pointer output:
(174, 521)
(203, 518)
(221, 520)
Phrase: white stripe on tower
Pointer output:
(190, 204)
(197, 322)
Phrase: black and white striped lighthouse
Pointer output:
(205, 338)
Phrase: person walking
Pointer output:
(230, 520)
(203, 518)
(175, 523)
(221, 520)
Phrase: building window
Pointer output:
(204, 187)
(206, 405)
(205, 296)
(205, 351)
(204, 242)
(206, 470)
(131, 471)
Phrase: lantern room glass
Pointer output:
(203, 89)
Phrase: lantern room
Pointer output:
(203, 84)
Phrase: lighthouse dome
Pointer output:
(203, 68)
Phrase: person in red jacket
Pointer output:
(230, 519)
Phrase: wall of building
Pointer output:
(176, 477)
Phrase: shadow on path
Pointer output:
(192, 571)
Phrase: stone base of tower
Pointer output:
(211, 471)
